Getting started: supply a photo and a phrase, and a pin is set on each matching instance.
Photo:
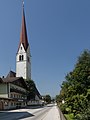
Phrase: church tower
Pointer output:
(23, 62)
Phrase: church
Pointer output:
(13, 87)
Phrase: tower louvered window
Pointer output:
(21, 57)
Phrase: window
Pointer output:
(19, 96)
(14, 95)
(14, 104)
(11, 96)
(11, 103)
(21, 57)
(23, 103)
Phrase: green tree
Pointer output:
(31, 89)
(47, 99)
(76, 89)
(58, 99)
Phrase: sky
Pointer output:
(58, 32)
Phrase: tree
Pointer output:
(76, 89)
(58, 99)
(31, 89)
(47, 98)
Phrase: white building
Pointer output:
(13, 92)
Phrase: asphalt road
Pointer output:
(49, 112)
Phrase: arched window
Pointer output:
(22, 57)
(19, 57)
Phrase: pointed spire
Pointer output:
(23, 3)
(23, 34)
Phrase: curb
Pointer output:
(61, 114)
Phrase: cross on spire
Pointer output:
(23, 3)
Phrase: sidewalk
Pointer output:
(53, 114)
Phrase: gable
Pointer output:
(21, 49)
(20, 82)
(11, 74)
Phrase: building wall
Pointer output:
(17, 87)
(37, 101)
(11, 100)
(3, 90)
(23, 67)
(21, 64)
(36, 97)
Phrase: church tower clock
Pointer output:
(23, 61)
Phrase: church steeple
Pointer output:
(23, 34)
(23, 61)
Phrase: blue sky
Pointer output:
(58, 31)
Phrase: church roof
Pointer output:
(10, 79)
(23, 34)
(11, 74)
(14, 80)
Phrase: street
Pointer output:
(49, 112)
